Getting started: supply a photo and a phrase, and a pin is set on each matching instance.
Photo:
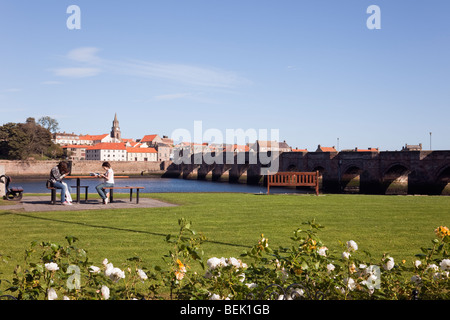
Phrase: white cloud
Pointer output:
(77, 72)
(187, 74)
(84, 54)
(180, 73)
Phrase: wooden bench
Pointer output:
(111, 193)
(308, 179)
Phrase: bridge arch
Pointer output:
(443, 180)
(395, 179)
(350, 180)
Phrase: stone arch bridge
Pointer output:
(386, 172)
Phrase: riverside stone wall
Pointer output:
(30, 168)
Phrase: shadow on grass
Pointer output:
(114, 228)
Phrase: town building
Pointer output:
(141, 154)
(151, 139)
(412, 147)
(112, 151)
(325, 149)
(75, 151)
(94, 139)
(112, 147)
(299, 150)
(266, 146)
(63, 138)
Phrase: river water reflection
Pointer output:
(158, 185)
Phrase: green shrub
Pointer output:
(305, 269)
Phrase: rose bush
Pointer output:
(306, 269)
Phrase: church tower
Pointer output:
(115, 131)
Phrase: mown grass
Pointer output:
(232, 222)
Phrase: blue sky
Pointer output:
(311, 69)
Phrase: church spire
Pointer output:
(115, 130)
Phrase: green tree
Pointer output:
(19, 141)
(49, 123)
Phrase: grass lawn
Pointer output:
(232, 222)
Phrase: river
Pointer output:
(158, 185)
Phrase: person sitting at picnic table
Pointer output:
(56, 175)
(109, 181)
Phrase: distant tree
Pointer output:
(49, 123)
(19, 141)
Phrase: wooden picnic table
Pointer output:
(78, 186)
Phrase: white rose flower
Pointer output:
(330, 267)
(223, 262)
(94, 269)
(51, 294)
(251, 285)
(234, 262)
(433, 267)
(51, 266)
(345, 255)
(445, 264)
(213, 263)
(350, 283)
(117, 274)
(214, 297)
(142, 274)
(417, 263)
(389, 264)
(352, 246)
(109, 269)
(105, 262)
(105, 292)
(66, 298)
(322, 251)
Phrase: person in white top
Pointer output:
(108, 177)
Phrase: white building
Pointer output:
(107, 152)
(141, 154)
(63, 138)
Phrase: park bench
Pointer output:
(52, 194)
(14, 194)
(85, 191)
(111, 193)
(308, 179)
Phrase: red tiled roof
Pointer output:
(367, 150)
(299, 150)
(328, 149)
(141, 150)
(94, 137)
(108, 146)
(76, 146)
(149, 138)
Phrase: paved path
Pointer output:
(42, 203)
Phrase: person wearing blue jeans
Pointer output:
(56, 175)
(109, 181)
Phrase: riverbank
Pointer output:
(41, 168)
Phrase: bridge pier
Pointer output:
(386, 172)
